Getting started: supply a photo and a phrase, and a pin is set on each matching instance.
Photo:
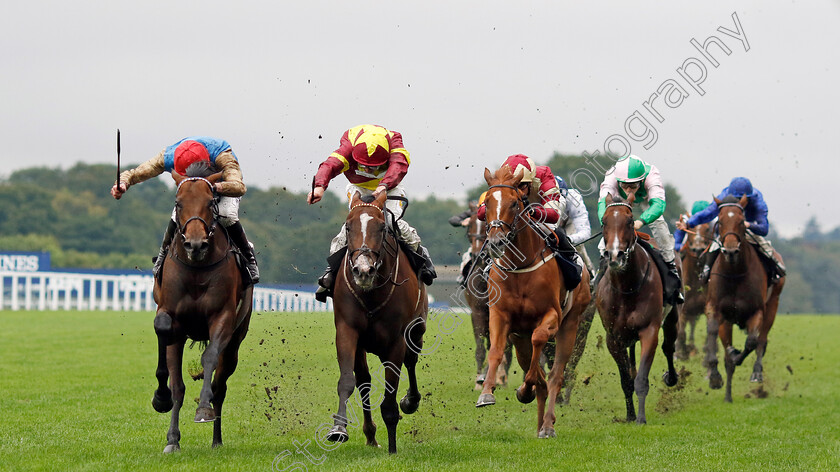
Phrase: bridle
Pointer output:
(632, 246)
(722, 238)
(513, 228)
(209, 229)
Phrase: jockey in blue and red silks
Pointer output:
(230, 189)
(755, 214)
(374, 161)
(547, 206)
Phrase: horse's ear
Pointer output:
(177, 177)
(518, 179)
(488, 177)
(473, 206)
(354, 197)
(717, 200)
(215, 177)
(380, 200)
(743, 201)
(609, 199)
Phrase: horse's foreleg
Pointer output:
(565, 345)
(711, 362)
(346, 340)
(754, 325)
(227, 365)
(619, 353)
(363, 384)
(535, 378)
(411, 401)
(725, 335)
(498, 339)
(649, 338)
(174, 359)
(220, 336)
(682, 345)
(479, 333)
(390, 411)
(580, 346)
(669, 329)
(162, 399)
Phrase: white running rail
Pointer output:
(76, 291)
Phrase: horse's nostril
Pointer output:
(204, 245)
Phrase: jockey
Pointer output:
(178, 157)
(462, 220)
(546, 205)
(575, 221)
(755, 214)
(679, 235)
(374, 161)
(633, 175)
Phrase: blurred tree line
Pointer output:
(70, 213)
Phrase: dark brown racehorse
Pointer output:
(631, 307)
(380, 308)
(476, 295)
(532, 304)
(695, 245)
(200, 296)
(738, 295)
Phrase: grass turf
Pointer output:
(75, 391)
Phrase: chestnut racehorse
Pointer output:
(630, 302)
(738, 295)
(200, 295)
(476, 295)
(380, 308)
(532, 304)
(694, 247)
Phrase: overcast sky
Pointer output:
(466, 83)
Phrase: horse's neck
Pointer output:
(636, 270)
(529, 242)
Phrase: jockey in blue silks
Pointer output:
(575, 221)
(679, 235)
(755, 214)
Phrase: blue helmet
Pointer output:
(741, 186)
(561, 183)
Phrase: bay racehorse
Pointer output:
(695, 246)
(201, 296)
(532, 304)
(476, 296)
(738, 295)
(380, 308)
(630, 302)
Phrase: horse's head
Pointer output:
(476, 230)
(699, 240)
(504, 203)
(619, 231)
(731, 221)
(366, 229)
(196, 209)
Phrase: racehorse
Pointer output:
(630, 302)
(738, 294)
(200, 295)
(381, 308)
(476, 296)
(695, 246)
(531, 302)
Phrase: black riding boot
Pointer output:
(237, 235)
(427, 272)
(707, 268)
(164, 247)
(327, 281)
(673, 284)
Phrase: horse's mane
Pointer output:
(618, 199)
(731, 199)
(200, 169)
(368, 199)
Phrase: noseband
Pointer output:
(737, 235)
(364, 249)
(632, 246)
(208, 228)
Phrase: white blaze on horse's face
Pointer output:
(364, 218)
(498, 196)
(615, 243)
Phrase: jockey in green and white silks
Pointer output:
(633, 175)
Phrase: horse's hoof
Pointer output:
(170, 448)
(715, 381)
(526, 397)
(485, 399)
(670, 380)
(205, 415)
(641, 420)
(338, 434)
(162, 404)
(479, 379)
(409, 404)
(546, 433)
(757, 377)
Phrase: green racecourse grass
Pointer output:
(75, 391)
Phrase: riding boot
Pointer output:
(327, 281)
(427, 272)
(779, 270)
(164, 247)
(237, 234)
(707, 268)
(673, 284)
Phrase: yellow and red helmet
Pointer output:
(187, 153)
(521, 164)
(372, 147)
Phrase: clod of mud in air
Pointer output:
(758, 392)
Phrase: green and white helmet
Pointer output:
(631, 169)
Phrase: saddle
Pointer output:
(565, 255)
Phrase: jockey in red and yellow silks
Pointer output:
(374, 161)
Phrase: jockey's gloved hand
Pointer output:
(638, 224)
